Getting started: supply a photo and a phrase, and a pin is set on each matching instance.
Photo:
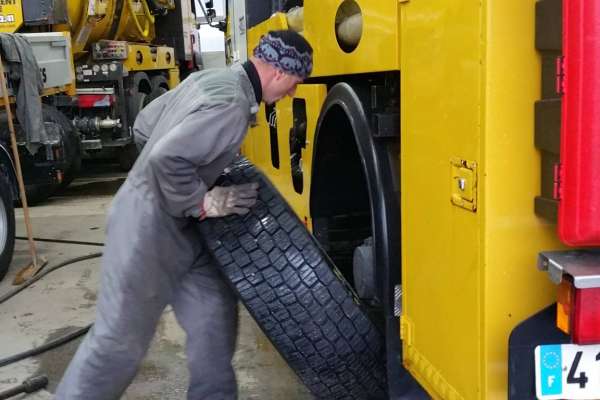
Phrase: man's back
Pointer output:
(196, 129)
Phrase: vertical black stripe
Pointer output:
(116, 20)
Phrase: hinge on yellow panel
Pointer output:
(464, 184)
(406, 330)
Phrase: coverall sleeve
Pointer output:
(196, 141)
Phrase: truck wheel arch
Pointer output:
(345, 107)
(344, 100)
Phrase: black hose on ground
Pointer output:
(59, 341)
(39, 276)
(62, 339)
(29, 385)
(61, 241)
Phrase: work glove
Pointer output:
(221, 201)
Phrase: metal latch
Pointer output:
(464, 184)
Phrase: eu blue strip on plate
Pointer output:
(550, 369)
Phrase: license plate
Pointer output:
(567, 371)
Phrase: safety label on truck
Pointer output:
(7, 3)
(8, 6)
(567, 371)
(11, 15)
(7, 19)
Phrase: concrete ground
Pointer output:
(65, 300)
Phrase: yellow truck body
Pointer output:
(468, 172)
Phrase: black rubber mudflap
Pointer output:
(297, 296)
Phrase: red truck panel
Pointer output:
(579, 180)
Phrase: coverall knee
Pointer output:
(206, 308)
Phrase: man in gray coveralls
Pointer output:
(153, 254)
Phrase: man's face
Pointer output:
(280, 86)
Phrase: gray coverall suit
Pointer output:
(153, 254)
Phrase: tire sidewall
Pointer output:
(39, 192)
(70, 142)
(7, 222)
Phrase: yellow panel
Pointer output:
(11, 16)
(513, 234)
(470, 76)
(152, 57)
(257, 146)
(377, 49)
(440, 99)
(276, 22)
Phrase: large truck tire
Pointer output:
(297, 296)
(138, 98)
(71, 142)
(159, 84)
(7, 225)
(128, 154)
(38, 191)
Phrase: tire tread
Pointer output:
(296, 296)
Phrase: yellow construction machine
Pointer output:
(100, 62)
(123, 54)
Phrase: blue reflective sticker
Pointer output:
(550, 369)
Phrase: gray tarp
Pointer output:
(18, 55)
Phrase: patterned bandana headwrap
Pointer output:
(284, 57)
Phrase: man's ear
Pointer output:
(279, 75)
